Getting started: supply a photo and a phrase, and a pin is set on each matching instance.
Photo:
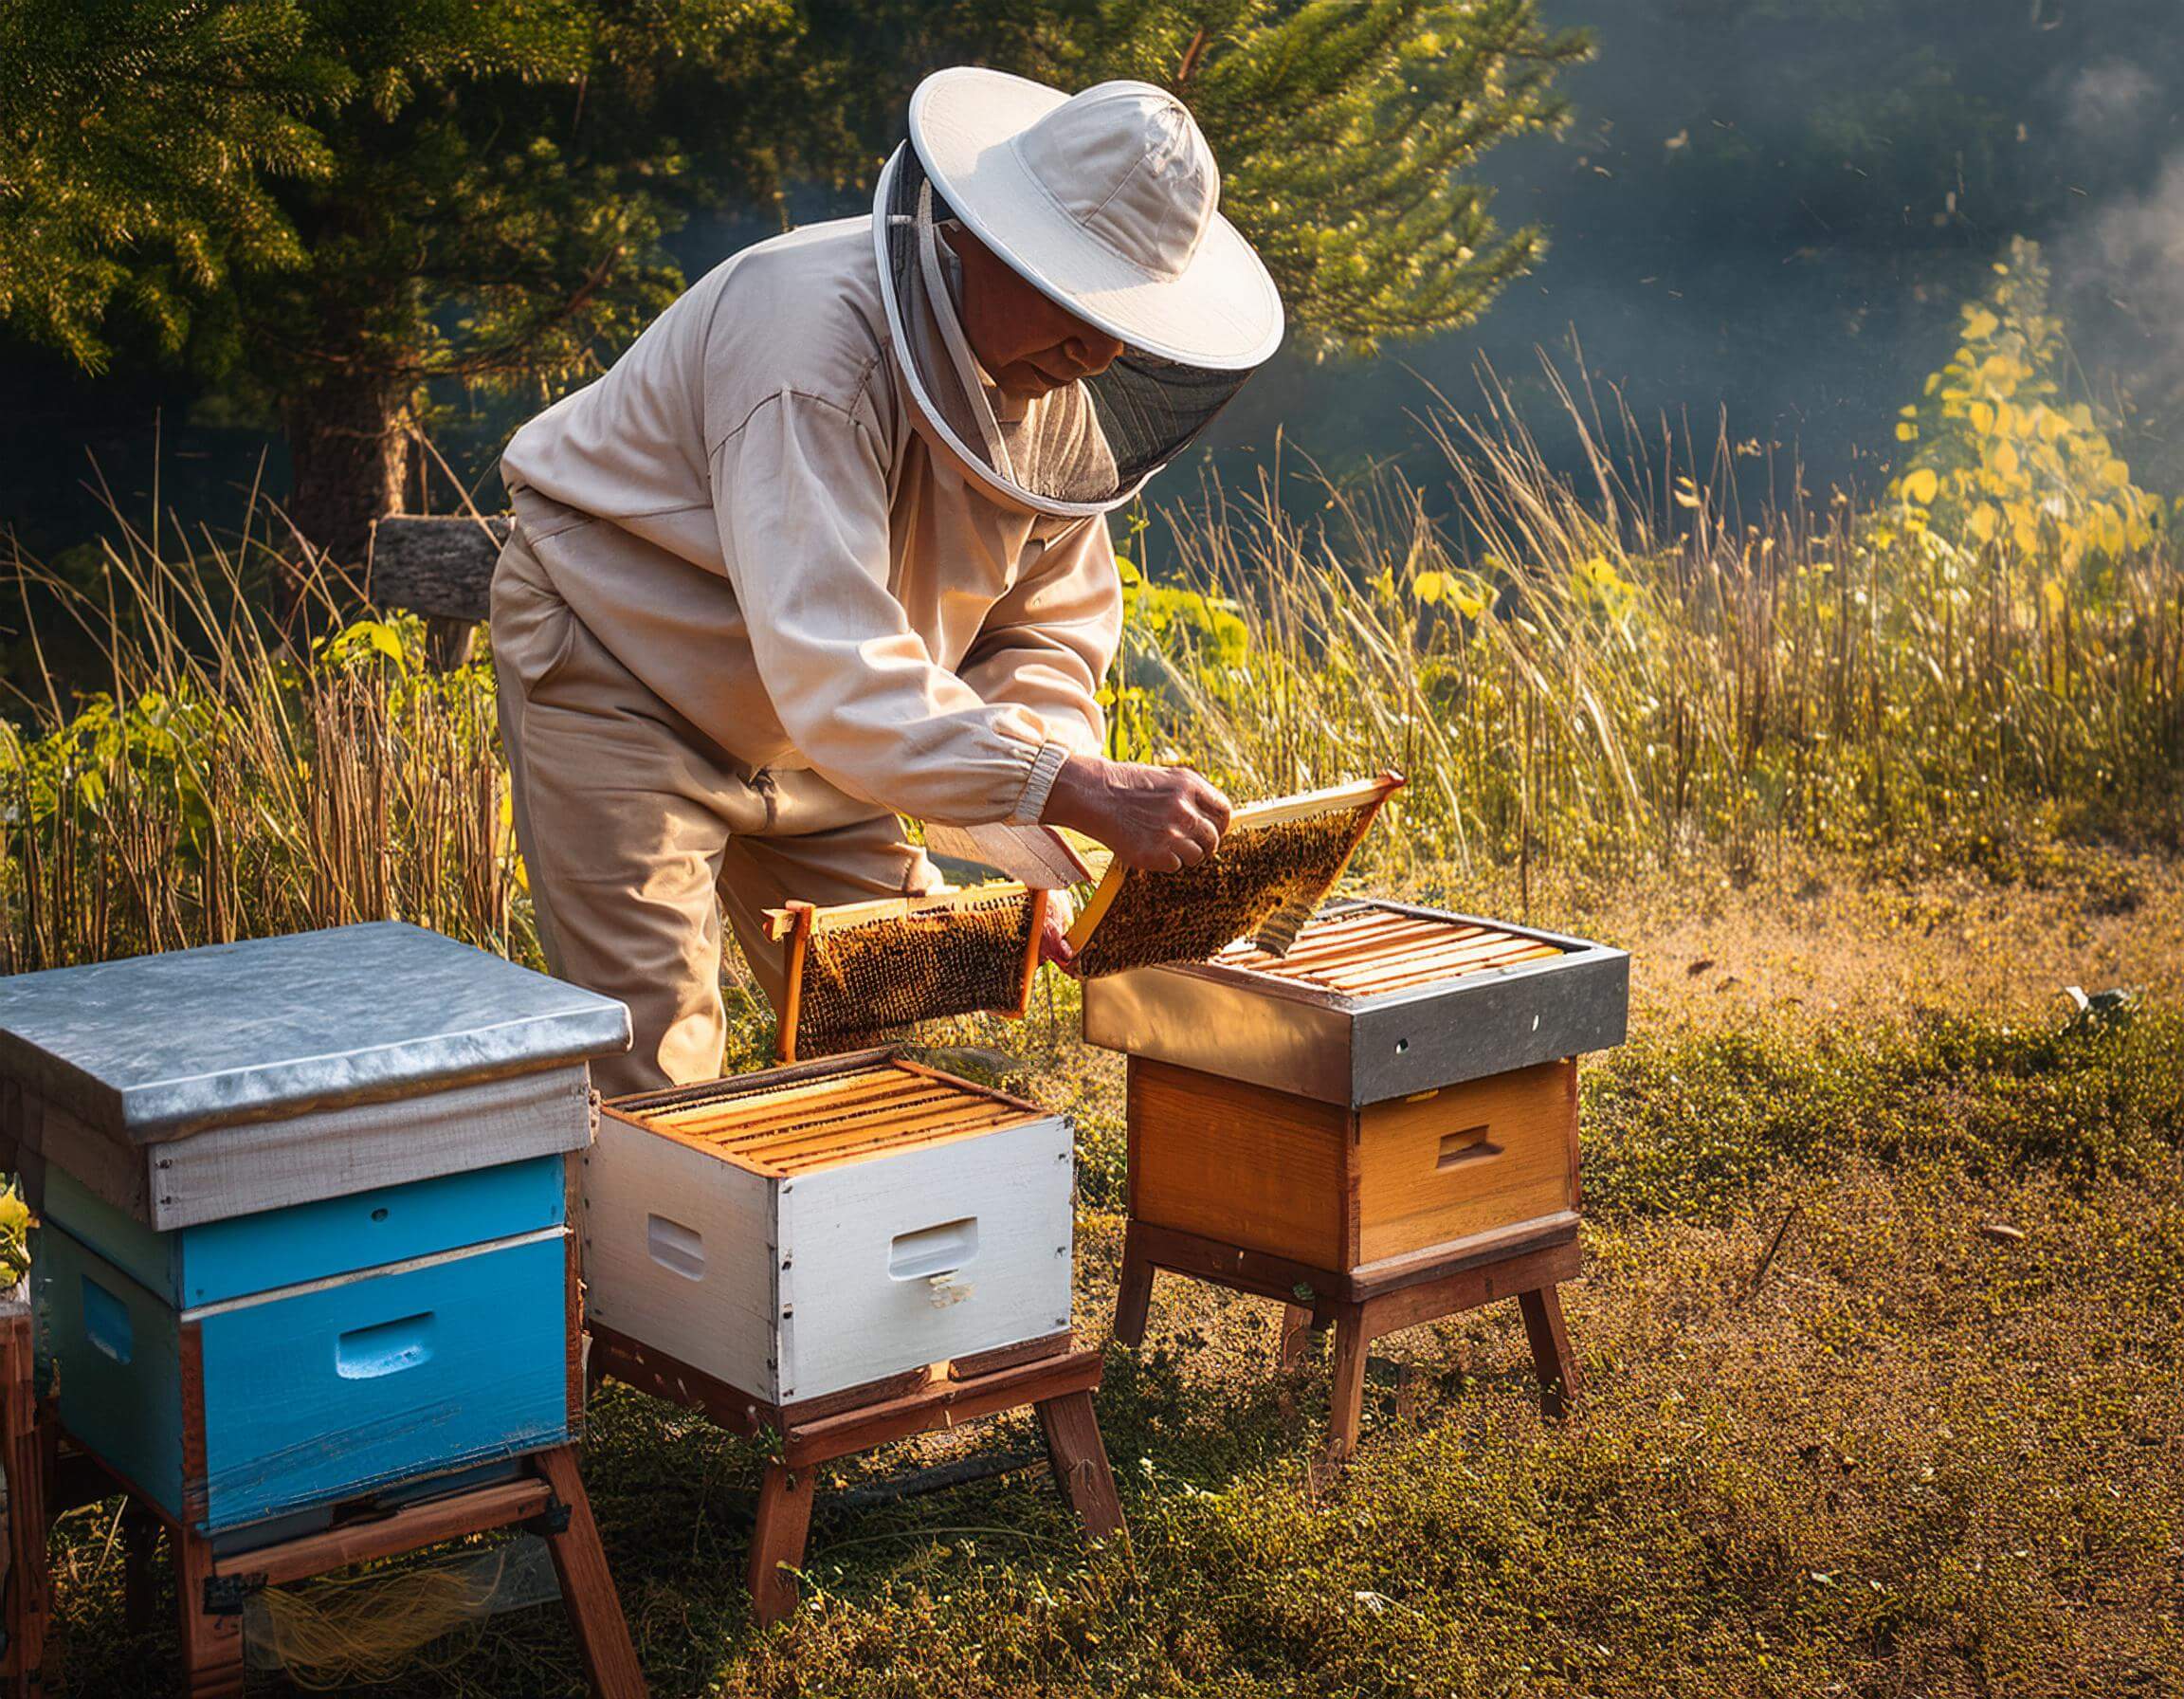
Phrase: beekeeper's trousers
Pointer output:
(638, 829)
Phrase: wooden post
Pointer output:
(1134, 1302)
(439, 567)
(1348, 1412)
(587, 1585)
(777, 1540)
(1553, 1362)
(1296, 1334)
(139, 1544)
(1078, 1457)
(211, 1644)
(23, 1455)
(448, 642)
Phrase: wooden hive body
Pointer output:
(266, 1365)
(305, 1214)
(1353, 1190)
(810, 1229)
(1401, 1086)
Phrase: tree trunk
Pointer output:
(349, 453)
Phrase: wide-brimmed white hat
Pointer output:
(1107, 201)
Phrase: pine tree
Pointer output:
(1346, 130)
(138, 142)
(327, 205)
(323, 205)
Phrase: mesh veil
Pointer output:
(1084, 449)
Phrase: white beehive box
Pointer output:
(807, 1229)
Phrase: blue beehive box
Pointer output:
(306, 1230)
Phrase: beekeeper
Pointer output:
(827, 547)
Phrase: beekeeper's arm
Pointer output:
(1046, 645)
(800, 496)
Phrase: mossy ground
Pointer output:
(1933, 1445)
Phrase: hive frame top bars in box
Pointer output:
(825, 1113)
(1427, 1015)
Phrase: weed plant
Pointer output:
(1625, 669)
(1613, 671)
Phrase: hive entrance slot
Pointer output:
(107, 1323)
(1468, 1144)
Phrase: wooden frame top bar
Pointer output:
(1365, 795)
(780, 922)
(1368, 951)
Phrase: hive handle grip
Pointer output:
(107, 1323)
(933, 1250)
(677, 1249)
(384, 1348)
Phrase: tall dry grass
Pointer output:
(1614, 668)
(1625, 665)
(213, 785)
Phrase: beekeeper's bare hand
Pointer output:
(1054, 941)
(1159, 819)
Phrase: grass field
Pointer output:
(1884, 1294)
(1915, 1454)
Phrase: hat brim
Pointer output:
(1221, 311)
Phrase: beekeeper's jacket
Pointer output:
(823, 591)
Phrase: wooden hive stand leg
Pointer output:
(139, 1543)
(1296, 1334)
(1352, 1336)
(1135, 1301)
(212, 1643)
(1080, 1459)
(27, 1438)
(1557, 1365)
(588, 1586)
(777, 1540)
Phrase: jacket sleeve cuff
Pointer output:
(1039, 783)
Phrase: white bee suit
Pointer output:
(741, 594)
(754, 605)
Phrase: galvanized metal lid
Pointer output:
(1429, 1012)
(150, 1047)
